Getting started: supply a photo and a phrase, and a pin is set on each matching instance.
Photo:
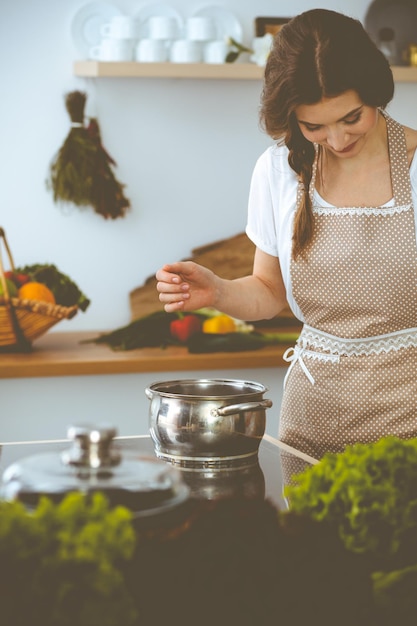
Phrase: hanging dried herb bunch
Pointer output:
(81, 172)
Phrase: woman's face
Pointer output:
(342, 125)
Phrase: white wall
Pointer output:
(36, 409)
(185, 150)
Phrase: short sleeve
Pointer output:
(271, 207)
(272, 202)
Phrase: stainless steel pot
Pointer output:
(203, 422)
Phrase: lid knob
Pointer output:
(92, 447)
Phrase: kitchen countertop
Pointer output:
(63, 354)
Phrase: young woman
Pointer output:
(332, 214)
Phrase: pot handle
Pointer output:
(241, 408)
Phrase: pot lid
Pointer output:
(145, 485)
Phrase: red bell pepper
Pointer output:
(183, 328)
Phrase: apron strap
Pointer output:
(400, 171)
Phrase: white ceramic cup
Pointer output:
(152, 51)
(186, 51)
(215, 51)
(112, 50)
(163, 27)
(120, 27)
(200, 28)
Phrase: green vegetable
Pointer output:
(224, 342)
(62, 564)
(395, 597)
(65, 290)
(370, 493)
(280, 337)
(155, 330)
(150, 331)
(81, 563)
(236, 341)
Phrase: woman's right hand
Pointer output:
(186, 286)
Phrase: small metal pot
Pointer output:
(199, 423)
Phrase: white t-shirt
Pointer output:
(272, 204)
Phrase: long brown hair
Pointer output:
(320, 53)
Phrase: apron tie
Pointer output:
(292, 355)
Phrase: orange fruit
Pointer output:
(36, 291)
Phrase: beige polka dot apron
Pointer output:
(353, 372)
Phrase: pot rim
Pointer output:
(242, 388)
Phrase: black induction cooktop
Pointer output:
(261, 478)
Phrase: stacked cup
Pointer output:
(155, 47)
(118, 39)
(165, 39)
(200, 43)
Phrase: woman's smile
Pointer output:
(348, 148)
(341, 124)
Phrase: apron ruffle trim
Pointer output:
(367, 211)
(378, 344)
(335, 347)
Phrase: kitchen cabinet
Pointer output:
(203, 71)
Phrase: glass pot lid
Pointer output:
(144, 484)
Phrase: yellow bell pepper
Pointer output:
(219, 324)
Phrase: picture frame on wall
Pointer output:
(272, 25)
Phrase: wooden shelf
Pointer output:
(228, 71)
(63, 354)
(404, 74)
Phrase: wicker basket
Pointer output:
(22, 321)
